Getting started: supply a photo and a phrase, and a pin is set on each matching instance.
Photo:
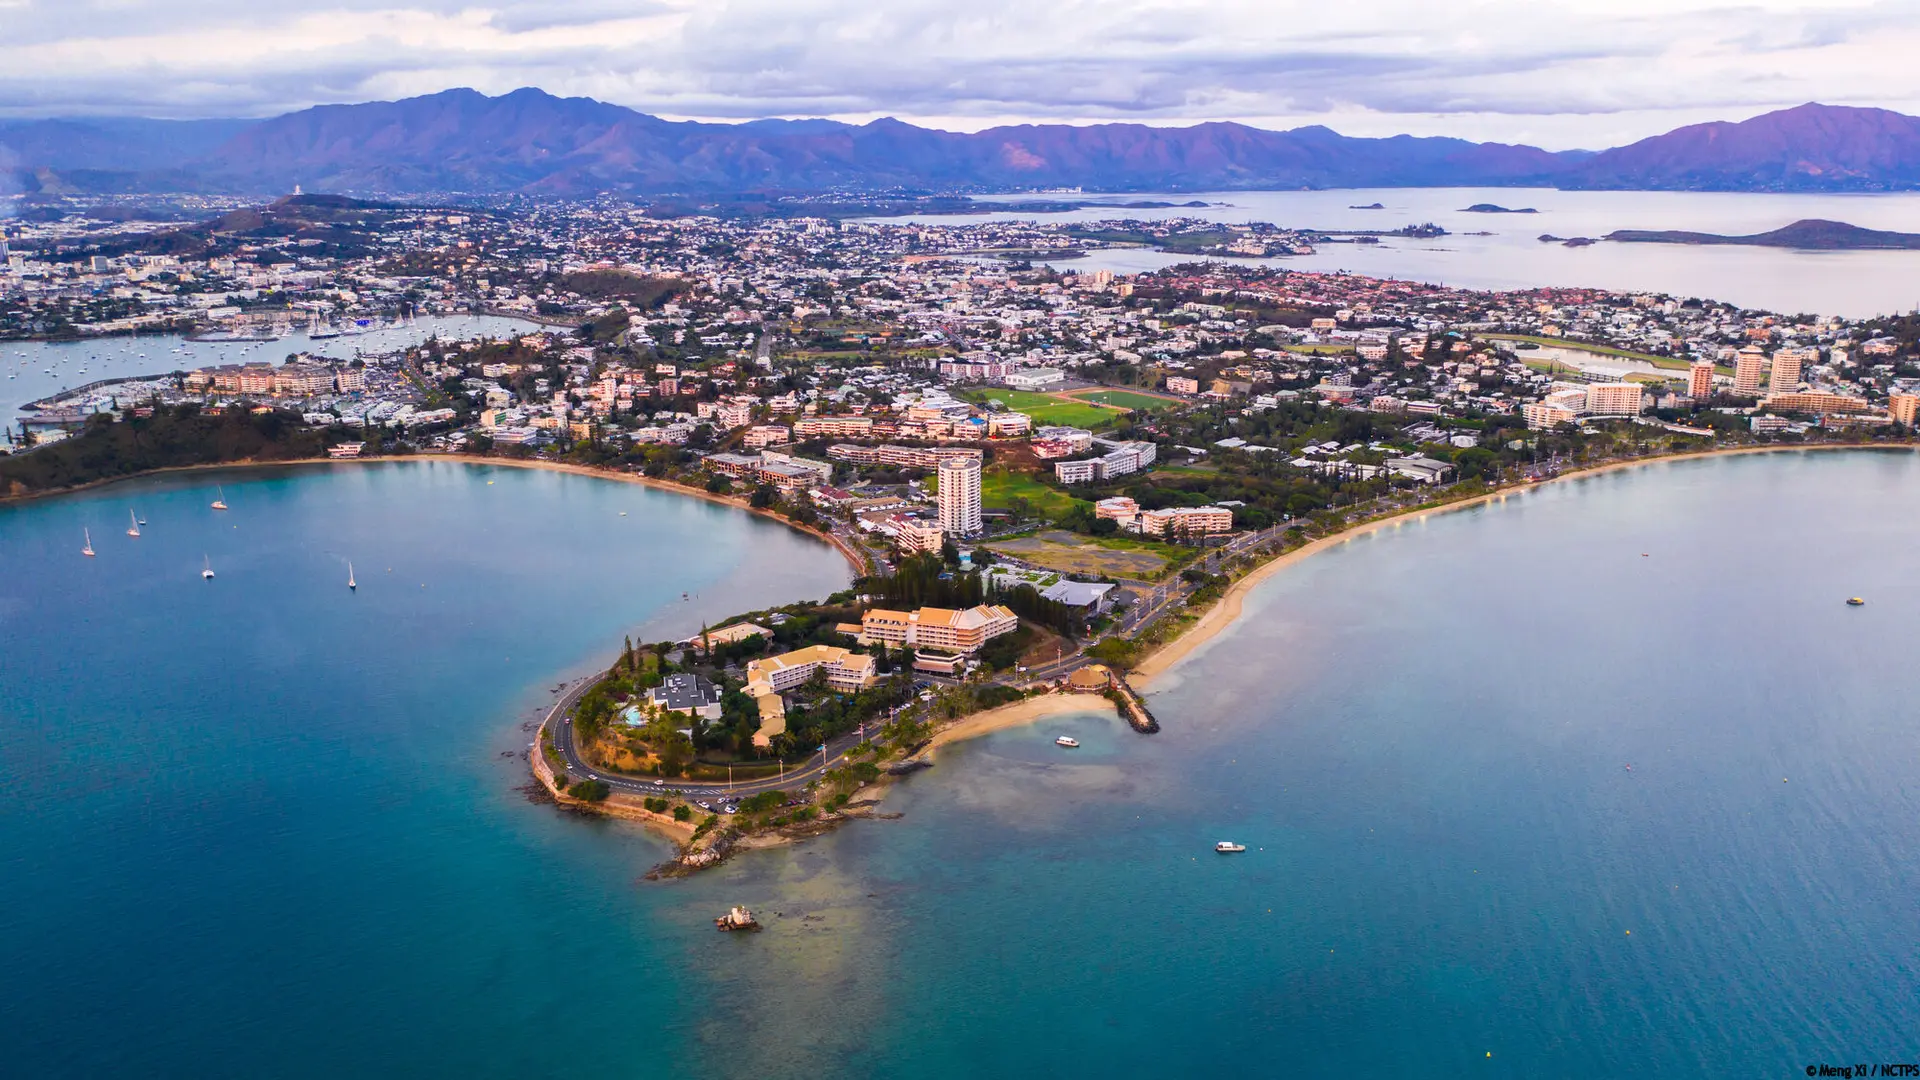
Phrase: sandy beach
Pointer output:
(1224, 613)
(1026, 711)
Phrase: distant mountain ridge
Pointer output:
(532, 142)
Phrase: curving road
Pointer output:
(560, 720)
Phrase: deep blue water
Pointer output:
(259, 826)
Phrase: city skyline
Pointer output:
(1575, 75)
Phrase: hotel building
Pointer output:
(946, 629)
(1615, 399)
(847, 671)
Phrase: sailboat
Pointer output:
(133, 523)
(350, 583)
(88, 550)
(220, 503)
(206, 572)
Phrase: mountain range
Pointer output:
(531, 142)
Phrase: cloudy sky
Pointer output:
(1586, 73)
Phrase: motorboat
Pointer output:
(220, 502)
(133, 523)
(1067, 741)
(206, 571)
(88, 550)
(1228, 847)
(1854, 601)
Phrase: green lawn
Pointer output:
(1127, 399)
(1047, 409)
(1106, 556)
(998, 489)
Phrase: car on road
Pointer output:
(659, 783)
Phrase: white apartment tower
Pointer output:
(960, 496)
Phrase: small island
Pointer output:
(1369, 206)
(1495, 208)
(1807, 234)
(1568, 241)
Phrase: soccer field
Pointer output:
(1125, 399)
(1047, 409)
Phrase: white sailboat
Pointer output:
(88, 550)
(206, 572)
(133, 523)
(350, 582)
(220, 503)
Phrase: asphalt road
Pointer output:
(560, 721)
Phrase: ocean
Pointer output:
(1601, 779)
(1510, 255)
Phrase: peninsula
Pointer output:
(1045, 483)
(1807, 234)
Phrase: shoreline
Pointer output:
(853, 558)
(1227, 610)
(1016, 714)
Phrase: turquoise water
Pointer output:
(266, 831)
(261, 826)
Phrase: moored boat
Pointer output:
(1066, 741)
(1228, 847)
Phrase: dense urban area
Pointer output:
(1039, 474)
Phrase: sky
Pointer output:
(1560, 75)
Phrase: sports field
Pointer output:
(1125, 399)
(1047, 409)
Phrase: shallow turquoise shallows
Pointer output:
(1604, 780)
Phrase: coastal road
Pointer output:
(560, 721)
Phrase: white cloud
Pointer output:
(1583, 73)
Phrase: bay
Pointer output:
(248, 826)
(262, 825)
(42, 368)
(1855, 284)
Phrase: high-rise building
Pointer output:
(1700, 380)
(1903, 408)
(1786, 370)
(1748, 368)
(960, 496)
(1615, 399)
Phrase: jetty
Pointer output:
(1133, 708)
